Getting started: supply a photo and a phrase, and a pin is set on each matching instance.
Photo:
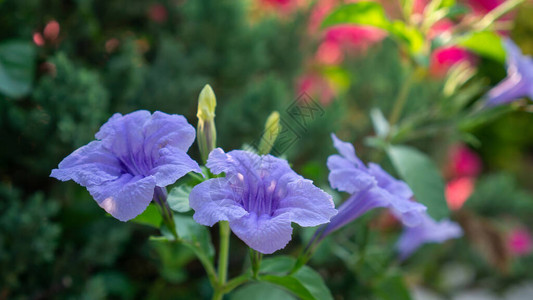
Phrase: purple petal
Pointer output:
(386, 181)
(123, 134)
(347, 150)
(233, 162)
(265, 234)
(89, 165)
(306, 204)
(125, 197)
(508, 90)
(214, 200)
(164, 130)
(428, 231)
(172, 164)
(519, 80)
(346, 177)
(355, 206)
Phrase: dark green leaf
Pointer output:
(178, 198)
(305, 283)
(17, 66)
(422, 176)
(266, 290)
(151, 217)
(393, 288)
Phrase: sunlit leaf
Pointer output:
(360, 13)
(485, 43)
(178, 198)
(151, 217)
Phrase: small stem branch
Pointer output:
(205, 261)
(236, 282)
(401, 99)
(497, 13)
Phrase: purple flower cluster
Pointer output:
(260, 196)
(370, 187)
(519, 80)
(132, 156)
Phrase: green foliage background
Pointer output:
(55, 242)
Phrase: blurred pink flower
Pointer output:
(317, 85)
(519, 242)
(442, 59)
(158, 13)
(355, 39)
(38, 39)
(464, 162)
(458, 191)
(51, 30)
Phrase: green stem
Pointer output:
(497, 13)
(255, 257)
(401, 100)
(222, 260)
(223, 252)
(204, 260)
(236, 282)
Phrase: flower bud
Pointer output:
(206, 131)
(272, 130)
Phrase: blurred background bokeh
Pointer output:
(67, 66)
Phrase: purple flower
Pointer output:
(370, 187)
(519, 80)
(133, 154)
(260, 197)
(428, 231)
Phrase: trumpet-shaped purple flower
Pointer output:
(428, 231)
(519, 80)
(260, 197)
(133, 154)
(370, 187)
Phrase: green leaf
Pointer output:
(17, 67)
(305, 283)
(194, 233)
(361, 13)
(178, 198)
(392, 288)
(422, 176)
(151, 217)
(267, 291)
(409, 36)
(485, 43)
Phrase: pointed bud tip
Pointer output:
(207, 103)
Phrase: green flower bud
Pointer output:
(206, 131)
(272, 130)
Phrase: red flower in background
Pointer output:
(458, 191)
(342, 38)
(463, 167)
(158, 13)
(317, 85)
(464, 162)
